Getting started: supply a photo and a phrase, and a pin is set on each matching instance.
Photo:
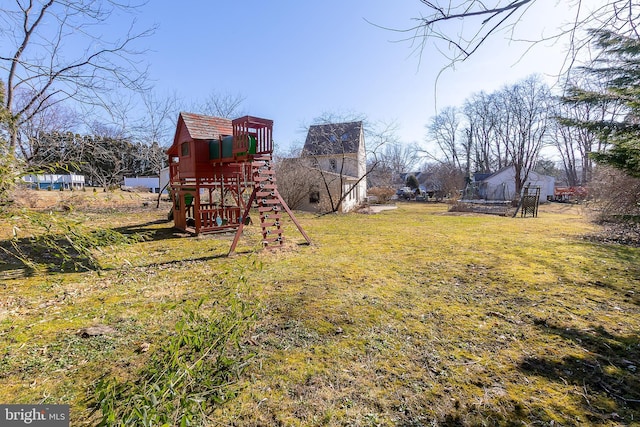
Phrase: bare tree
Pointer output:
(443, 179)
(40, 66)
(394, 159)
(443, 129)
(479, 20)
(222, 105)
(36, 144)
(154, 132)
(616, 193)
(107, 159)
(574, 144)
(482, 122)
(295, 179)
(524, 124)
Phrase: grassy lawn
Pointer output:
(413, 316)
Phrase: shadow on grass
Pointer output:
(151, 234)
(606, 374)
(70, 260)
(24, 257)
(622, 254)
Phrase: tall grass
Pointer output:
(190, 373)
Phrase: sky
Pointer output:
(293, 61)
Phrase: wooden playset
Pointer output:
(218, 168)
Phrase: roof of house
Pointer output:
(478, 176)
(200, 126)
(333, 138)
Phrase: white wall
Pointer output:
(502, 185)
(164, 179)
(55, 180)
(150, 182)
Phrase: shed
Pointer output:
(501, 185)
(150, 182)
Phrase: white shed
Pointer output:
(502, 185)
(150, 182)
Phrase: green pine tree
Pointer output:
(618, 67)
(412, 182)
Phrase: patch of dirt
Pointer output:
(501, 209)
(620, 233)
(374, 209)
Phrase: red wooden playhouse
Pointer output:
(217, 169)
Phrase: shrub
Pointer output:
(616, 195)
(383, 194)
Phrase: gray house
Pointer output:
(335, 153)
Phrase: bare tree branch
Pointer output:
(465, 25)
(43, 60)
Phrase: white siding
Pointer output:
(150, 182)
(502, 185)
(55, 181)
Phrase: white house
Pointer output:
(336, 154)
(55, 181)
(501, 185)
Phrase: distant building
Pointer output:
(338, 158)
(501, 185)
(55, 181)
(150, 182)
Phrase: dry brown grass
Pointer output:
(89, 199)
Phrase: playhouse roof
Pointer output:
(200, 126)
(333, 138)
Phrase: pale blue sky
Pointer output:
(294, 60)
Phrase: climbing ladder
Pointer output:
(270, 205)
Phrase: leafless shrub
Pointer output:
(615, 195)
(382, 194)
(460, 207)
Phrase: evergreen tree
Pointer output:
(412, 182)
(618, 66)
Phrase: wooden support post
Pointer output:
(293, 217)
(236, 238)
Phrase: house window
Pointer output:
(345, 137)
(314, 197)
(333, 165)
(184, 149)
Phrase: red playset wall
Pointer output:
(196, 163)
